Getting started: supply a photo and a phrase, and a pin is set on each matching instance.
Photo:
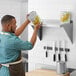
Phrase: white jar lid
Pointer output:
(32, 15)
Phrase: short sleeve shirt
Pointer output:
(11, 46)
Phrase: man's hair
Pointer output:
(6, 19)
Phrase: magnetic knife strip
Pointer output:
(56, 48)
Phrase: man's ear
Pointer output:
(9, 27)
(7, 24)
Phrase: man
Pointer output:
(11, 46)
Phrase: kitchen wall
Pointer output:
(10, 7)
(51, 9)
(17, 8)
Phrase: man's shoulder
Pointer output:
(16, 38)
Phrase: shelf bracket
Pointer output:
(68, 27)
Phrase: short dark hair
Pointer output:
(6, 19)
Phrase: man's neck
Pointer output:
(5, 30)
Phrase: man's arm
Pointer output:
(26, 45)
(34, 36)
(21, 28)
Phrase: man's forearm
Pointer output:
(21, 28)
(34, 37)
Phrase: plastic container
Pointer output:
(65, 16)
(34, 18)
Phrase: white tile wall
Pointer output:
(50, 9)
(17, 8)
(12, 8)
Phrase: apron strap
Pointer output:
(0, 65)
(17, 69)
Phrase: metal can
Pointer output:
(61, 67)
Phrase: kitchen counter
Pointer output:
(43, 72)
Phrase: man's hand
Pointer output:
(27, 18)
(22, 27)
(34, 36)
(37, 27)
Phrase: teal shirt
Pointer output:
(10, 49)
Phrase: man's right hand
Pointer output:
(37, 27)
(27, 18)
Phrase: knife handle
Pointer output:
(65, 57)
(59, 57)
(46, 54)
(54, 57)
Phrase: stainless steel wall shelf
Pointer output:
(68, 27)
